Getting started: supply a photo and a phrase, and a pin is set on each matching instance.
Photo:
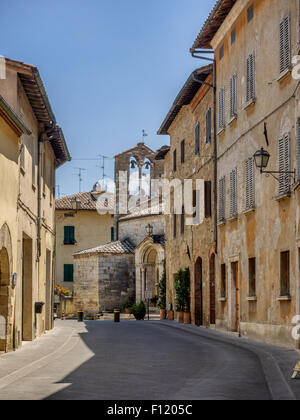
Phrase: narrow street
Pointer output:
(146, 360)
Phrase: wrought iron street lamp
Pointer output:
(149, 230)
(262, 157)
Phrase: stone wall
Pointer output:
(135, 228)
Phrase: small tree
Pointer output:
(162, 290)
(182, 287)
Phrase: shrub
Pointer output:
(162, 290)
(182, 287)
(139, 311)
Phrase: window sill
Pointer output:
(284, 75)
(250, 210)
(233, 218)
(252, 298)
(223, 299)
(233, 119)
(222, 222)
(284, 298)
(221, 131)
(249, 104)
(73, 244)
(282, 197)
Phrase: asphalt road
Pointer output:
(145, 361)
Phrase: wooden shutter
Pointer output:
(250, 77)
(233, 193)
(182, 151)
(68, 273)
(175, 225)
(182, 220)
(222, 108)
(250, 184)
(298, 148)
(208, 126)
(222, 196)
(69, 235)
(175, 160)
(112, 233)
(285, 44)
(197, 139)
(208, 211)
(233, 96)
(284, 164)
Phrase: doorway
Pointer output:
(49, 292)
(212, 282)
(27, 291)
(4, 286)
(236, 297)
(198, 293)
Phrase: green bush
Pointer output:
(127, 305)
(182, 287)
(139, 311)
(162, 290)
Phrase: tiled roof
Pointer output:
(136, 213)
(212, 24)
(89, 201)
(118, 247)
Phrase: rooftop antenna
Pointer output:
(102, 167)
(58, 191)
(144, 135)
(80, 170)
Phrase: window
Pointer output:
(208, 212)
(250, 13)
(112, 234)
(208, 126)
(222, 199)
(250, 184)
(233, 96)
(285, 273)
(233, 36)
(250, 78)
(298, 148)
(223, 281)
(182, 221)
(175, 160)
(222, 108)
(285, 44)
(284, 164)
(233, 193)
(252, 277)
(174, 225)
(68, 273)
(197, 139)
(182, 148)
(222, 52)
(69, 238)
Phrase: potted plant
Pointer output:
(180, 295)
(139, 311)
(127, 307)
(162, 294)
(154, 301)
(187, 296)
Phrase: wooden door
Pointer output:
(212, 291)
(236, 285)
(198, 293)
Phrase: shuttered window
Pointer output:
(208, 126)
(250, 78)
(182, 147)
(222, 108)
(285, 44)
(197, 139)
(250, 184)
(233, 193)
(175, 160)
(284, 164)
(174, 225)
(68, 273)
(222, 199)
(233, 96)
(112, 233)
(208, 211)
(298, 148)
(69, 235)
(182, 221)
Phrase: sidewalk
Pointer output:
(36, 354)
(278, 363)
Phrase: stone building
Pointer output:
(32, 146)
(258, 252)
(83, 221)
(191, 157)
(127, 269)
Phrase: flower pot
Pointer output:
(187, 318)
(171, 315)
(127, 310)
(162, 314)
(180, 317)
(153, 305)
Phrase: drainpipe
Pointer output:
(43, 137)
(195, 53)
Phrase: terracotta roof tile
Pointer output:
(89, 201)
(118, 247)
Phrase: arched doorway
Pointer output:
(212, 282)
(5, 295)
(198, 293)
(150, 263)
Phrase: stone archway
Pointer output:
(6, 300)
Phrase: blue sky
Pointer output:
(111, 68)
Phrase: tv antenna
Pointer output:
(144, 134)
(80, 170)
(102, 167)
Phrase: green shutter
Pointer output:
(68, 273)
(112, 233)
(69, 235)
